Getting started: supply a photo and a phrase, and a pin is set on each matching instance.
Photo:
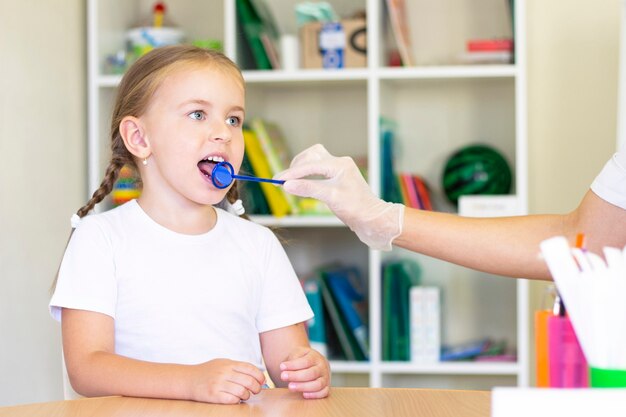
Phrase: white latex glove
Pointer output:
(376, 222)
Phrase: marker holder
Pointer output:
(607, 378)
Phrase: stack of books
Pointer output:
(414, 191)
(339, 329)
(398, 277)
(411, 322)
(480, 350)
(405, 188)
(489, 51)
(267, 154)
(260, 35)
(399, 24)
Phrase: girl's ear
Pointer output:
(133, 134)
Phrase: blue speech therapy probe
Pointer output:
(223, 175)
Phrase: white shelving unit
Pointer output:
(437, 107)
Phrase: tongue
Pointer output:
(206, 167)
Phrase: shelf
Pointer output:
(452, 71)
(346, 367)
(344, 76)
(298, 221)
(451, 368)
(350, 75)
(306, 76)
(440, 368)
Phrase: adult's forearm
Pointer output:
(503, 245)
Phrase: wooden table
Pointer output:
(361, 402)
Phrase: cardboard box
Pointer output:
(354, 39)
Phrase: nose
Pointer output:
(220, 132)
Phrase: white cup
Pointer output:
(289, 52)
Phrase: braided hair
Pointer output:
(136, 89)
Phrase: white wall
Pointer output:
(42, 182)
(572, 101)
(572, 95)
(572, 81)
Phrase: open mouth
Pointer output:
(207, 164)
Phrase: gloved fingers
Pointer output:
(306, 188)
(325, 168)
(313, 153)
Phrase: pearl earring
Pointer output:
(145, 161)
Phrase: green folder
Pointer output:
(409, 275)
(398, 278)
(386, 305)
(253, 27)
(257, 24)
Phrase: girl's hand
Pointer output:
(225, 381)
(308, 372)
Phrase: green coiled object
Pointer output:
(476, 169)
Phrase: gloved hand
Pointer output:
(376, 222)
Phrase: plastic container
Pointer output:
(143, 39)
(607, 378)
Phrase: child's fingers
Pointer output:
(227, 398)
(305, 361)
(249, 369)
(236, 390)
(246, 381)
(310, 386)
(301, 375)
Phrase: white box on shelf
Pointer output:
(424, 313)
(489, 205)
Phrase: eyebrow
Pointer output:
(196, 101)
(208, 104)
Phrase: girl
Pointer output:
(167, 296)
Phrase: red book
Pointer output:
(486, 45)
(422, 191)
(411, 191)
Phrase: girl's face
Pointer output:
(195, 116)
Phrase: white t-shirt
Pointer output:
(610, 184)
(179, 298)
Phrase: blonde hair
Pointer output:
(134, 93)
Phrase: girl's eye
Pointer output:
(233, 121)
(197, 115)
